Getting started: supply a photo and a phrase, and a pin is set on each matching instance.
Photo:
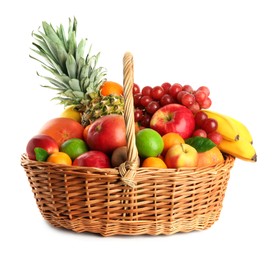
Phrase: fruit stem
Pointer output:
(183, 150)
(169, 117)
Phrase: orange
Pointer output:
(85, 132)
(59, 158)
(154, 162)
(210, 157)
(171, 139)
(137, 127)
(111, 88)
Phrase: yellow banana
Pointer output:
(243, 130)
(226, 127)
(241, 149)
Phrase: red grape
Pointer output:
(137, 99)
(145, 122)
(215, 137)
(157, 92)
(174, 90)
(136, 89)
(206, 103)
(138, 114)
(180, 95)
(204, 89)
(200, 117)
(209, 125)
(188, 99)
(146, 91)
(152, 107)
(166, 87)
(200, 96)
(200, 132)
(187, 88)
(166, 99)
(194, 107)
(145, 100)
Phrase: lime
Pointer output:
(74, 147)
(149, 143)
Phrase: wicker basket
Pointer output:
(128, 200)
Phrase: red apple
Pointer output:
(107, 133)
(45, 142)
(93, 159)
(173, 118)
(181, 155)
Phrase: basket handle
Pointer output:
(128, 169)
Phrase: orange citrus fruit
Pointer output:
(85, 132)
(74, 147)
(210, 157)
(59, 158)
(154, 162)
(149, 143)
(171, 139)
(111, 88)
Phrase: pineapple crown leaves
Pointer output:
(75, 76)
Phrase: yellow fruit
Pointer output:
(244, 133)
(59, 158)
(230, 128)
(241, 149)
(71, 112)
(226, 127)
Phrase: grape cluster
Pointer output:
(206, 127)
(148, 100)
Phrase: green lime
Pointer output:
(149, 143)
(74, 147)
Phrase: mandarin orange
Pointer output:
(59, 158)
(154, 162)
(111, 88)
(171, 139)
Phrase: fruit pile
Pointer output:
(174, 127)
(148, 100)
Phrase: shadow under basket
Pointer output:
(128, 200)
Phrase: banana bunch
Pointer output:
(237, 140)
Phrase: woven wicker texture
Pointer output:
(128, 200)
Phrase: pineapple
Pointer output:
(76, 77)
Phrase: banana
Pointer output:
(241, 149)
(226, 127)
(243, 130)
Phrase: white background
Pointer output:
(225, 45)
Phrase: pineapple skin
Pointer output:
(100, 106)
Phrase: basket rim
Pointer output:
(228, 161)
